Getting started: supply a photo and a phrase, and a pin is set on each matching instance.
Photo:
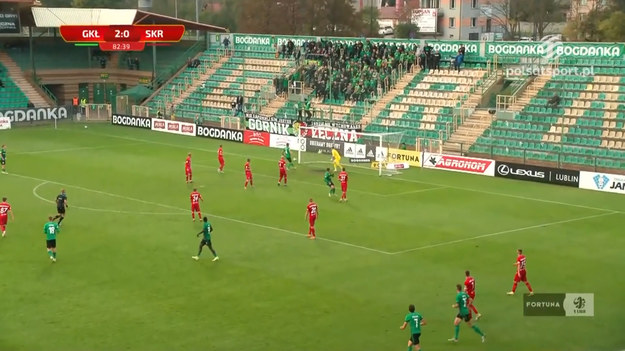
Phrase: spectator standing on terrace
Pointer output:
(460, 58)
(240, 103)
(437, 60)
(226, 43)
(554, 101)
(307, 109)
(427, 50)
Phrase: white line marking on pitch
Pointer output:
(451, 242)
(36, 194)
(370, 174)
(209, 214)
(416, 191)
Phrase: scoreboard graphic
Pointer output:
(122, 38)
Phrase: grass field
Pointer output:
(125, 280)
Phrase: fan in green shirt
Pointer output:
(416, 321)
(51, 229)
(327, 178)
(463, 301)
(207, 229)
(3, 158)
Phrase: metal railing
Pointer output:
(557, 158)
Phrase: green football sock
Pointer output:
(456, 331)
(54, 254)
(50, 253)
(410, 348)
(477, 330)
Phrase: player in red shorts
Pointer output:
(282, 167)
(195, 204)
(469, 287)
(5, 209)
(311, 214)
(220, 158)
(343, 179)
(187, 169)
(248, 174)
(521, 273)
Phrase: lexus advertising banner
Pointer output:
(538, 174)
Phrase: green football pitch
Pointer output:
(125, 279)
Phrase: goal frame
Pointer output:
(382, 160)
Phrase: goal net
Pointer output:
(360, 149)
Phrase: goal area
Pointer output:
(357, 149)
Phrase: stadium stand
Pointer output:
(11, 96)
(426, 108)
(210, 95)
(585, 129)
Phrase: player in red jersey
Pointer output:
(469, 287)
(220, 158)
(5, 209)
(311, 214)
(195, 204)
(521, 273)
(187, 169)
(248, 174)
(282, 167)
(343, 179)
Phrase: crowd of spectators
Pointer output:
(356, 71)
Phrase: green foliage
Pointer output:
(404, 30)
(612, 28)
(125, 280)
(369, 17)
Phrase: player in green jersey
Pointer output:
(287, 155)
(51, 229)
(327, 178)
(463, 301)
(207, 229)
(416, 321)
(3, 158)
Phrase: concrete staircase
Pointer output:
(381, 104)
(273, 106)
(530, 92)
(472, 128)
(202, 79)
(32, 91)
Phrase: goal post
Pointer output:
(315, 144)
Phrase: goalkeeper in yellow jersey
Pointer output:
(336, 160)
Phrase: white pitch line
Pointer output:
(416, 191)
(451, 242)
(370, 174)
(36, 152)
(36, 194)
(209, 214)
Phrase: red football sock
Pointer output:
(193, 215)
(514, 287)
(284, 180)
(529, 287)
(474, 309)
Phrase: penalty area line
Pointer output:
(234, 220)
(36, 194)
(544, 225)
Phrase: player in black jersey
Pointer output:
(61, 205)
